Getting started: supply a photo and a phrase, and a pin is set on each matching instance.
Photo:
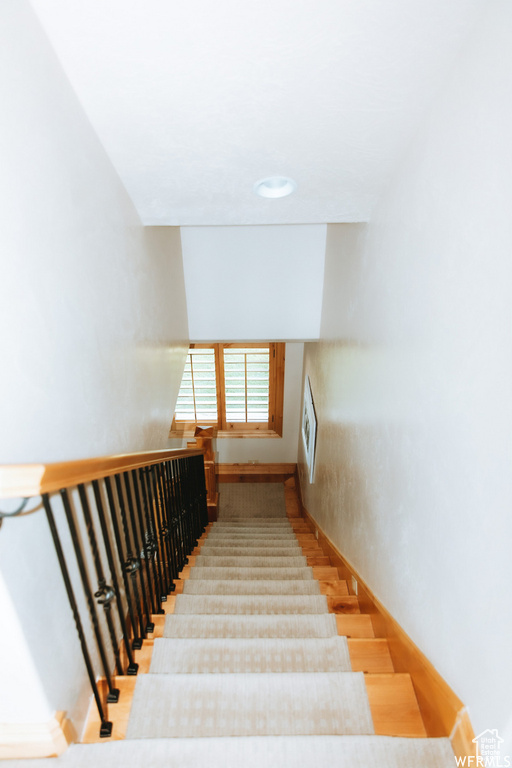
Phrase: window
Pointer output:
(237, 388)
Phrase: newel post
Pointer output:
(204, 437)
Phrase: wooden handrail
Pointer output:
(34, 479)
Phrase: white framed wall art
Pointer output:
(309, 426)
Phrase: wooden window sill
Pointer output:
(223, 433)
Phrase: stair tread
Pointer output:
(237, 704)
(250, 655)
(252, 536)
(251, 587)
(255, 573)
(254, 522)
(257, 752)
(250, 604)
(320, 625)
(394, 704)
(248, 542)
(254, 551)
(234, 561)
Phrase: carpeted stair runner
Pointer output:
(249, 561)
(267, 704)
(253, 551)
(244, 573)
(269, 544)
(317, 625)
(258, 500)
(251, 652)
(239, 605)
(279, 628)
(252, 655)
(251, 587)
(256, 752)
(256, 524)
(235, 536)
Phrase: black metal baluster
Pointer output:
(167, 514)
(195, 492)
(195, 482)
(156, 582)
(195, 498)
(203, 498)
(136, 513)
(113, 693)
(176, 535)
(106, 725)
(125, 562)
(155, 565)
(192, 499)
(105, 593)
(148, 539)
(162, 528)
(205, 518)
(160, 554)
(132, 666)
(132, 564)
(179, 512)
(186, 506)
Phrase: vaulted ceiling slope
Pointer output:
(195, 100)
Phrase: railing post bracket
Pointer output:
(106, 729)
(113, 696)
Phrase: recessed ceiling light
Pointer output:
(275, 186)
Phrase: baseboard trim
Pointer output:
(33, 740)
(443, 712)
(255, 473)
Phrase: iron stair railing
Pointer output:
(122, 534)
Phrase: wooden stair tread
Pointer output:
(315, 560)
(394, 706)
(343, 604)
(354, 625)
(333, 587)
(117, 713)
(159, 621)
(370, 655)
(322, 572)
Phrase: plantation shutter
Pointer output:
(197, 398)
(246, 384)
(235, 387)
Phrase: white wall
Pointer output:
(268, 449)
(92, 305)
(413, 383)
(254, 283)
(94, 327)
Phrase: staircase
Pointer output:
(252, 664)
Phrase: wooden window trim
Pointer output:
(271, 429)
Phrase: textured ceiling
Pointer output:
(195, 100)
